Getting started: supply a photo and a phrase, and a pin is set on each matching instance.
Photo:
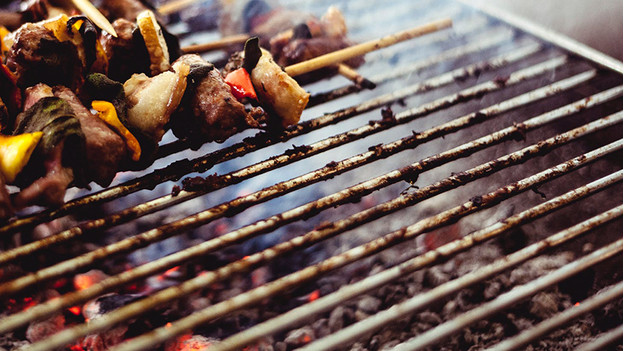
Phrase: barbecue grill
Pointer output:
(472, 199)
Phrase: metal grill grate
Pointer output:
(481, 115)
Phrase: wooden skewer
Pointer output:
(174, 6)
(343, 69)
(217, 44)
(363, 48)
(95, 15)
(355, 77)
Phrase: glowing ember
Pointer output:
(29, 302)
(83, 281)
(60, 283)
(75, 310)
(314, 295)
(190, 342)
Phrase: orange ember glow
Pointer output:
(75, 310)
(168, 325)
(576, 304)
(172, 270)
(83, 281)
(168, 273)
(59, 283)
(29, 302)
(188, 342)
(76, 348)
(314, 295)
(307, 338)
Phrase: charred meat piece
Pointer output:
(59, 157)
(209, 111)
(37, 56)
(104, 149)
(290, 36)
(127, 53)
(129, 10)
(299, 50)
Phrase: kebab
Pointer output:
(70, 132)
(290, 36)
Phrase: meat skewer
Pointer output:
(229, 41)
(186, 94)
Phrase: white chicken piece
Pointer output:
(278, 91)
(152, 100)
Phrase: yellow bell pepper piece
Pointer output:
(15, 151)
(3, 43)
(106, 111)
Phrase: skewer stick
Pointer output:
(174, 6)
(355, 77)
(363, 48)
(95, 15)
(217, 44)
(222, 43)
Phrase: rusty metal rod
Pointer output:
(241, 203)
(423, 300)
(415, 67)
(179, 168)
(323, 173)
(43, 310)
(563, 318)
(300, 314)
(508, 299)
(258, 294)
(166, 295)
(602, 341)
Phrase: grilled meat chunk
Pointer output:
(127, 53)
(37, 56)
(58, 158)
(209, 111)
(105, 149)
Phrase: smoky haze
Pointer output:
(594, 23)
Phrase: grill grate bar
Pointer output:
(481, 43)
(518, 293)
(462, 32)
(304, 211)
(239, 204)
(299, 315)
(312, 272)
(561, 319)
(425, 299)
(201, 164)
(170, 294)
(326, 172)
(441, 80)
(603, 340)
